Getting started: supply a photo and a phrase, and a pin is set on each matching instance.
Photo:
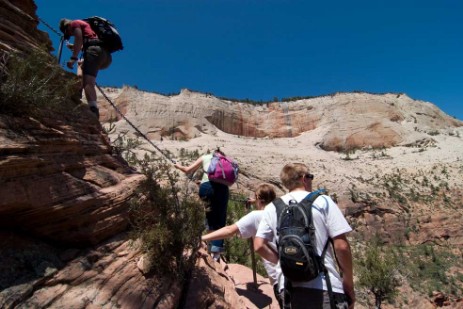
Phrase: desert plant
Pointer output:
(167, 220)
(428, 268)
(189, 155)
(348, 157)
(126, 146)
(354, 196)
(376, 269)
(163, 215)
(34, 82)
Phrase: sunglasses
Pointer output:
(309, 176)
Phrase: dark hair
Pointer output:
(63, 24)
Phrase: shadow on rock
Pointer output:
(255, 295)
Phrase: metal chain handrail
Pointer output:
(133, 126)
(50, 27)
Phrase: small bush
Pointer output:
(428, 269)
(33, 82)
(126, 147)
(189, 155)
(167, 220)
(376, 268)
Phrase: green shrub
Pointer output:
(188, 155)
(428, 269)
(167, 220)
(126, 146)
(376, 268)
(33, 83)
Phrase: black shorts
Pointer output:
(318, 299)
(95, 58)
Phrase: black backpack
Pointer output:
(297, 250)
(106, 32)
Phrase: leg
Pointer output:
(80, 75)
(89, 88)
(90, 93)
(90, 67)
(206, 193)
(218, 217)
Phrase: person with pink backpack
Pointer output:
(219, 172)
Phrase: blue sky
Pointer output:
(262, 49)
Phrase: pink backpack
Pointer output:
(222, 169)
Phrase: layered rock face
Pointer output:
(59, 180)
(348, 120)
(61, 185)
(107, 276)
(18, 29)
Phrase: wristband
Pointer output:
(74, 58)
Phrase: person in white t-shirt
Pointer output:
(329, 222)
(246, 227)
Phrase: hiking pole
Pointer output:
(60, 49)
(253, 258)
(133, 126)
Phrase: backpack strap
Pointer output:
(312, 196)
(327, 274)
(279, 206)
(307, 203)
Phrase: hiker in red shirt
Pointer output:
(95, 56)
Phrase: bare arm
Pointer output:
(78, 42)
(225, 232)
(344, 255)
(261, 247)
(191, 168)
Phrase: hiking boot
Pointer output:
(96, 111)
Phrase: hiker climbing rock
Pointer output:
(96, 56)
(215, 194)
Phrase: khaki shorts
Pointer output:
(95, 58)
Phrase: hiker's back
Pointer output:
(106, 32)
(297, 246)
(321, 217)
